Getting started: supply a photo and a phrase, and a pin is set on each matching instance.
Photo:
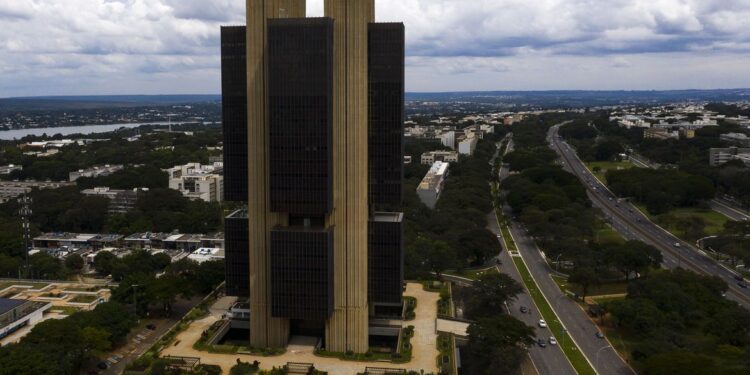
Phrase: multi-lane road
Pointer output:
(552, 360)
(633, 224)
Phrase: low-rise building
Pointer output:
(120, 201)
(448, 139)
(432, 185)
(739, 139)
(75, 241)
(407, 159)
(660, 133)
(196, 181)
(93, 172)
(17, 313)
(429, 158)
(7, 169)
(205, 254)
(13, 189)
(719, 156)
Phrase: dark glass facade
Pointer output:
(234, 112)
(386, 111)
(386, 258)
(236, 254)
(302, 273)
(300, 84)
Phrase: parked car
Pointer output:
(542, 323)
(151, 327)
(599, 335)
(677, 244)
(541, 343)
(102, 365)
(552, 341)
(739, 278)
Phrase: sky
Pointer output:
(96, 47)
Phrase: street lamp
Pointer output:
(557, 263)
(597, 355)
(135, 301)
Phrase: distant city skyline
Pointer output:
(93, 47)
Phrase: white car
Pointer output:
(552, 341)
(676, 244)
(542, 323)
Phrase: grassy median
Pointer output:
(576, 358)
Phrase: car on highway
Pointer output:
(739, 278)
(541, 343)
(552, 341)
(151, 327)
(524, 309)
(677, 244)
(599, 335)
(542, 323)
(742, 284)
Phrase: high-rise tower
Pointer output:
(323, 155)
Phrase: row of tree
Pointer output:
(661, 190)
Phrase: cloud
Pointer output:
(109, 46)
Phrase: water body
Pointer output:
(9, 135)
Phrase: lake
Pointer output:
(9, 135)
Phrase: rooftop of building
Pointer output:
(10, 304)
(388, 217)
(434, 177)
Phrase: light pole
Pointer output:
(135, 300)
(597, 355)
(557, 263)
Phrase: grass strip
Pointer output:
(576, 358)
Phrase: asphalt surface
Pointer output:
(549, 360)
(579, 326)
(729, 210)
(631, 223)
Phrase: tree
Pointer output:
(679, 362)
(487, 296)
(633, 257)
(74, 262)
(9, 266)
(585, 278)
(439, 256)
(104, 262)
(490, 338)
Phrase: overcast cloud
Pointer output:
(65, 47)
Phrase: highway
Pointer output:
(599, 352)
(631, 223)
(729, 210)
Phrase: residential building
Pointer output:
(719, 156)
(98, 171)
(196, 181)
(468, 145)
(323, 117)
(739, 139)
(16, 314)
(429, 158)
(120, 201)
(448, 139)
(13, 189)
(7, 169)
(660, 133)
(432, 184)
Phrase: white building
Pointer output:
(94, 172)
(429, 158)
(432, 185)
(7, 169)
(467, 146)
(448, 139)
(17, 313)
(205, 254)
(196, 181)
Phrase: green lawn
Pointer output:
(714, 221)
(473, 274)
(66, 310)
(580, 364)
(605, 166)
(84, 298)
(6, 284)
(602, 290)
(607, 235)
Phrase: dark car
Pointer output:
(742, 284)
(151, 327)
(524, 309)
(541, 343)
(102, 365)
(599, 335)
(739, 278)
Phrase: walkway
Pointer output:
(424, 343)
